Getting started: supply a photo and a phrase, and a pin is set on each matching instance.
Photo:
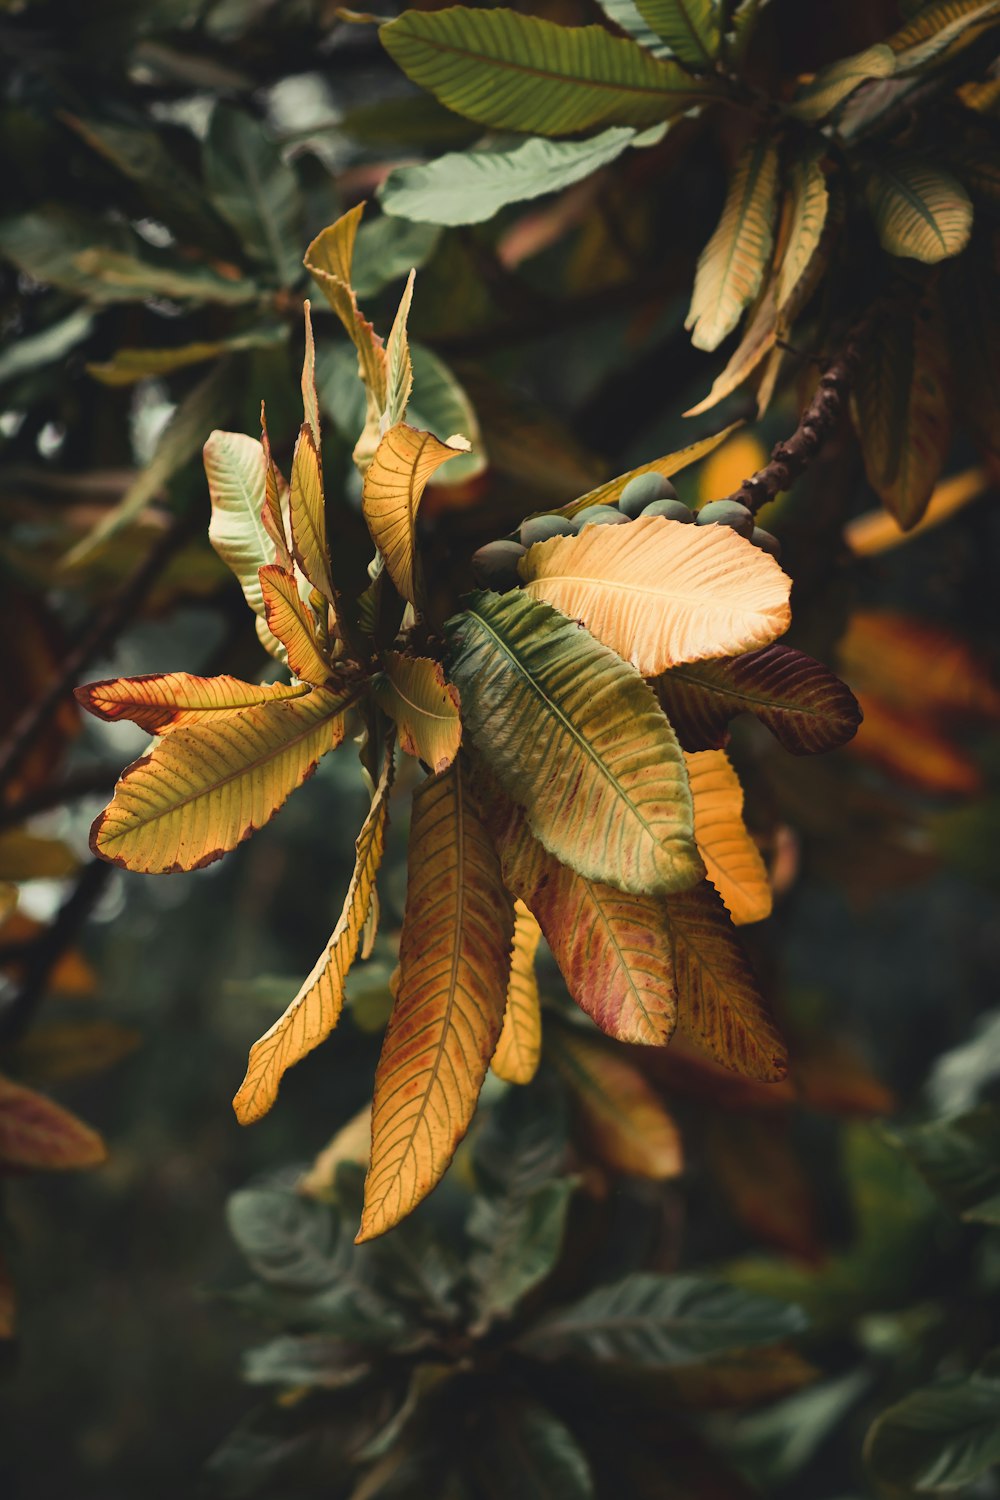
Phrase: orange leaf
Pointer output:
(293, 624)
(394, 483)
(164, 700)
(310, 405)
(625, 1123)
(39, 1135)
(766, 1185)
(909, 748)
(916, 666)
(307, 514)
(424, 705)
(732, 859)
(8, 1307)
(519, 1049)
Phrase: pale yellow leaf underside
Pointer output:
(397, 476)
(164, 700)
(424, 705)
(290, 620)
(732, 859)
(732, 264)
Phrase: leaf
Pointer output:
(672, 463)
(936, 26)
(73, 1049)
(662, 1322)
(519, 1048)
(902, 407)
(307, 514)
(163, 700)
(127, 366)
(719, 1004)
(255, 191)
(440, 405)
(397, 476)
(920, 210)
(690, 29)
(424, 706)
(454, 960)
(286, 1238)
(316, 1009)
(810, 202)
(625, 13)
(389, 248)
(235, 468)
(624, 1122)
(732, 859)
(516, 72)
(36, 1134)
(525, 1450)
(940, 1437)
(732, 264)
(767, 1187)
(25, 856)
(906, 745)
(311, 1361)
(837, 80)
(399, 367)
(469, 187)
(291, 622)
(919, 667)
(759, 339)
(37, 350)
(206, 787)
(310, 403)
(613, 949)
(106, 275)
(575, 736)
(960, 1159)
(660, 592)
(801, 702)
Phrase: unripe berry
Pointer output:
(642, 491)
(674, 510)
(726, 513)
(766, 542)
(495, 566)
(540, 528)
(599, 515)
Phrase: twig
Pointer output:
(790, 459)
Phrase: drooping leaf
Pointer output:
(960, 1159)
(469, 187)
(36, 350)
(207, 786)
(837, 80)
(936, 26)
(659, 592)
(454, 962)
(162, 700)
(38, 1135)
(732, 859)
(424, 705)
(519, 1048)
(399, 366)
(719, 1005)
(397, 476)
(801, 702)
(670, 464)
(690, 29)
(255, 191)
(526, 1450)
(810, 202)
(27, 856)
(316, 1009)
(612, 948)
(517, 72)
(235, 468)
(624, 1121)
(662, 1322)
(920, 210)
(940, 1437)
(902, 407)
(731, 266)
(574, 735)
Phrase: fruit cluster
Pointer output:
(495, 565)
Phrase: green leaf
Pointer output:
(690, 28)
(920, 211)
(573, 734)
(440, 405)
(625, 13)
(941, 1437)
(310, 1360)
(662, 1322)
(287, 1239)
(960, 1159)
(469, 187)
(731, 266)
(834, 83)
(517, 72)
(255, 191)
(46, 346)
(524, 1450)
(388, 248)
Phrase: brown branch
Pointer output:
(790, 458)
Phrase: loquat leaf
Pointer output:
(399, 367)
(672, 463)
(163, 700)
(810, 202)
(310, 402)
(690, 29)
(519, 1048)
(758, 341)
(920, 210)
(293, 624)
(235, 467)
(731, 266)
(36, 1134)
(424, 706)
(397, 476)
(307, 514)
(937, 26)
(732, 859)
(833, 84)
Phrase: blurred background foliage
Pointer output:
(165, 164)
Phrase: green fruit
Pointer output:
(765, 541)
(674, 510)
(540, 528)
(726, 513)
(599, 515)
(642, 491)
(495, 566)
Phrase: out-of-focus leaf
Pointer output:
(659, 592)
(126, 366)
(519, 1048)
(920, 210)
(73, 1049)
(388, 248)
(918, 666)
(287, 1239)
(26, 856)
(255, 191)
(876, 531)
(118, 276)
(672, 463)
(910, 748)
(163, 700)
(45, 347)
(594, 762)
(517, 72)
(732, 264)
(941, 1437)
(690, 29)
(454, 961)
(352, 1143)
(404, 462)
(810, 202)
(833, 83)
(36, 1134)
(960, 1158)
(440, 405)
(732, 859)
(424, 705)
(526, 1450)
(768, 1188)
(309, 1360)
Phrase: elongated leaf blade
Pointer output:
(235, 467)
(162, 700)
(920, 210)
(574, 735)
(255, 191)
(316, 1009)
(519, 1048)
(399, 366)
(731, 266)
(307, 514)
(404, 462)
(38, 1135)
(310, 402)
(801, 702)
(206, 787)
(834, 83)
(940, 1437)
(690, 28)
(719, 1004)
(424, 705)
(517, 72)
(937, 26)
(659, 592)
(810, 204)
(625, 1123)
(960, 1159)
(731, 857)
(290, 620)
(758, 341)
(454, 963)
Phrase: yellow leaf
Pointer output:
(757, 342)
(310, 404)
(290, 620)
(399, 368)
(454, 960)
(206, 787)
(810, 202)
(519, 1049)
(25, 856)
(659, 592)
(625, 1124)
(876, 531)
(36, 1134)
(732, 264)
(672, 463)
(918, 667)
(275, 500)
(921, 212)
(316, 1009)
(352, 1143)
(719, 1003)
(72, 1049)
(732, 859)
(404, 461)
(307, 515)
(164, 700)
(834, 83)
(415, 693)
